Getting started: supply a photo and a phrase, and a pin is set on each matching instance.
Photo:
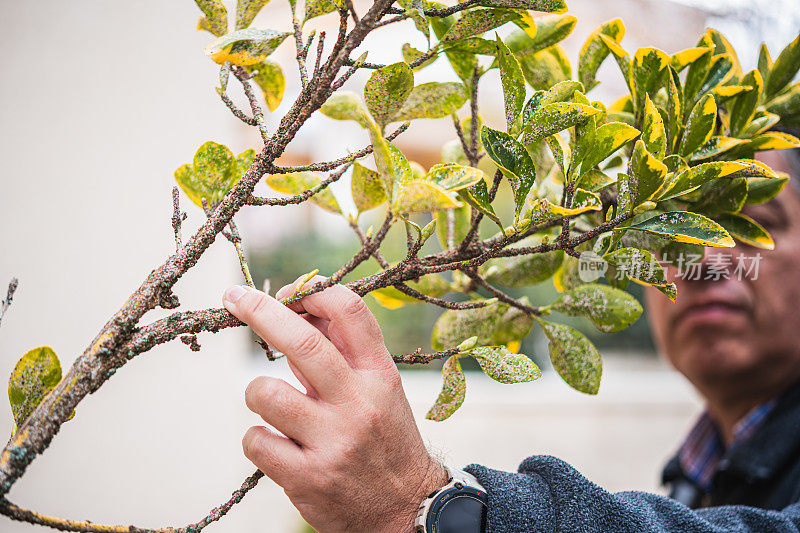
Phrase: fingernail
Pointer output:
(234, 293)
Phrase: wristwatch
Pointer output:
(458, 507)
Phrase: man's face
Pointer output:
(739, 336)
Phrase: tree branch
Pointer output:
(6, 302)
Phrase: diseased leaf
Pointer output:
(215, 19)
(455, 325)
(411, 54)
(452, 176)
(501, 365)
(454, 389)
(609, 309)
(745, 229)
(512, 81)
(387, 90)
(692, 178)
(452, 226)
(297, 182)
(478, 197)
(245, 47)
(642, 266)
(594, 180)
(683, 226)
(647, 72)
(595, 51)
(546, 68)
(608, 138)
(421, 196)
(654, 135)
(34, 376)
(346, 105)
(547, 31)
(432, 100)
(552, 118)
(523, 270)
(366, 187)
(647, 174)
(269, 77)
(213, 172)
(574, 357)
(246, 11)
(783, 70)
(548, 6)
(700, 126)
(513, 160)
(316, 8)
(477, 22)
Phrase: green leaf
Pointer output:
(552, 118)
(786, 105)
(454, 389)
(700, 126)
(761, 190)
(317, 8)
(721, 196)
(647, 174)
(548, 6)
(452, 225)
(432, 100)
(297, 182)
(746, 230)
(215, 18)
(595, 51)
(594, 180)
(608, 138)
(477, 22)
(683, 226)
(245, 47)
(213, 172)
(366, 187)
(34, 376)
(246, 11)
(513, 82)
(346, 105)
(608, 308)
(654, 135)
(387, 90)
(574, 357)
(524, 270)
(501, 365)
(692, 178)
(783, 70)
(478, 197)
(513, 160)
(268, 75)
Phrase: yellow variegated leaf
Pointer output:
(421, 196)
(684, 58)
(700, 126)
(654, 135)
(365, 184)
(297, 182)
(268, 75)
(746, 230)
(215, 17)
(245, 47)
(595, 50)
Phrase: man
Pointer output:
(352, 458)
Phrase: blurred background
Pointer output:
(100, 102)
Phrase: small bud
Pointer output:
(467, 344)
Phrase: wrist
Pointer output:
(435, 476)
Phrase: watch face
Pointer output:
(459, 509)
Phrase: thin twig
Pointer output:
(301, 60)
(320, 47)
(405, 289)
(6, 302)
(237, 243)
(419, 358)
(500, 295)
(238, 113)
(177, 216)
(244, 78)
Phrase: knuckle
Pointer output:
(307, 343)
(354, 306)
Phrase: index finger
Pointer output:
(304, 345)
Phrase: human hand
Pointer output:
(352, 458)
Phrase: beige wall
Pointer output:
(99, 102)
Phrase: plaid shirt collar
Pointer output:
(703, 448)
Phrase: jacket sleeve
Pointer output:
(548, 495)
